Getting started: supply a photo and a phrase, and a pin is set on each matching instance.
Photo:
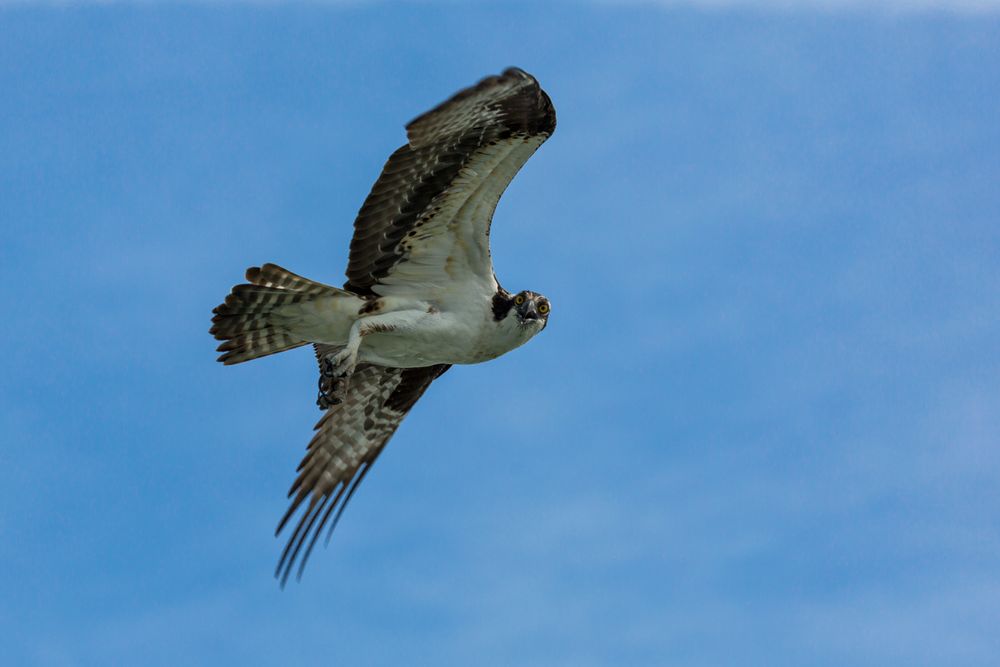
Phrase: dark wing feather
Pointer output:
(348, 439)
(470, 146)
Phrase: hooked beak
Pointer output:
(531, 313)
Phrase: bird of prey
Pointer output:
(421, 293)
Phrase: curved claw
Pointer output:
(334, 373)
(325, 401)
(329, 387)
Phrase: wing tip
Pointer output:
(526, 107)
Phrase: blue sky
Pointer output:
(761, 428)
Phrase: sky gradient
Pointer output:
(761, 427)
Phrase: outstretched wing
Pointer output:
(424, 228)
(348, 439)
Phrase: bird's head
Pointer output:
(531, 309)
(528, 309)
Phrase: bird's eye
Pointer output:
(519, 299)
(543, 308)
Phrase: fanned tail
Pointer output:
(249, 321)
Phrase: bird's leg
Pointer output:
(329, 386)
(341, 364)
(335, 372)
(335, 369)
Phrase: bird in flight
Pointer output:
(421, 293)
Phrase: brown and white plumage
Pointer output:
(421, 293)
(348, 439)
(435, 198)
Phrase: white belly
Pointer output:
(444, 338)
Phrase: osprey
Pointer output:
(420, 296)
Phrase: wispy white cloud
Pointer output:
(868, 6)
(212, 3)
(831, 6)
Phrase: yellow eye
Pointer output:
(519, 299)
(543, 308)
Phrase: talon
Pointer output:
(334, 374)
(332, 385)
(328, 388)
(340, 365)
(325, 401)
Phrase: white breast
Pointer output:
(468, 336)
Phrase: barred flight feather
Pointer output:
(348, 439)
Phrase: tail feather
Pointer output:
(254, 344)
(246, 320)
(272, 275)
